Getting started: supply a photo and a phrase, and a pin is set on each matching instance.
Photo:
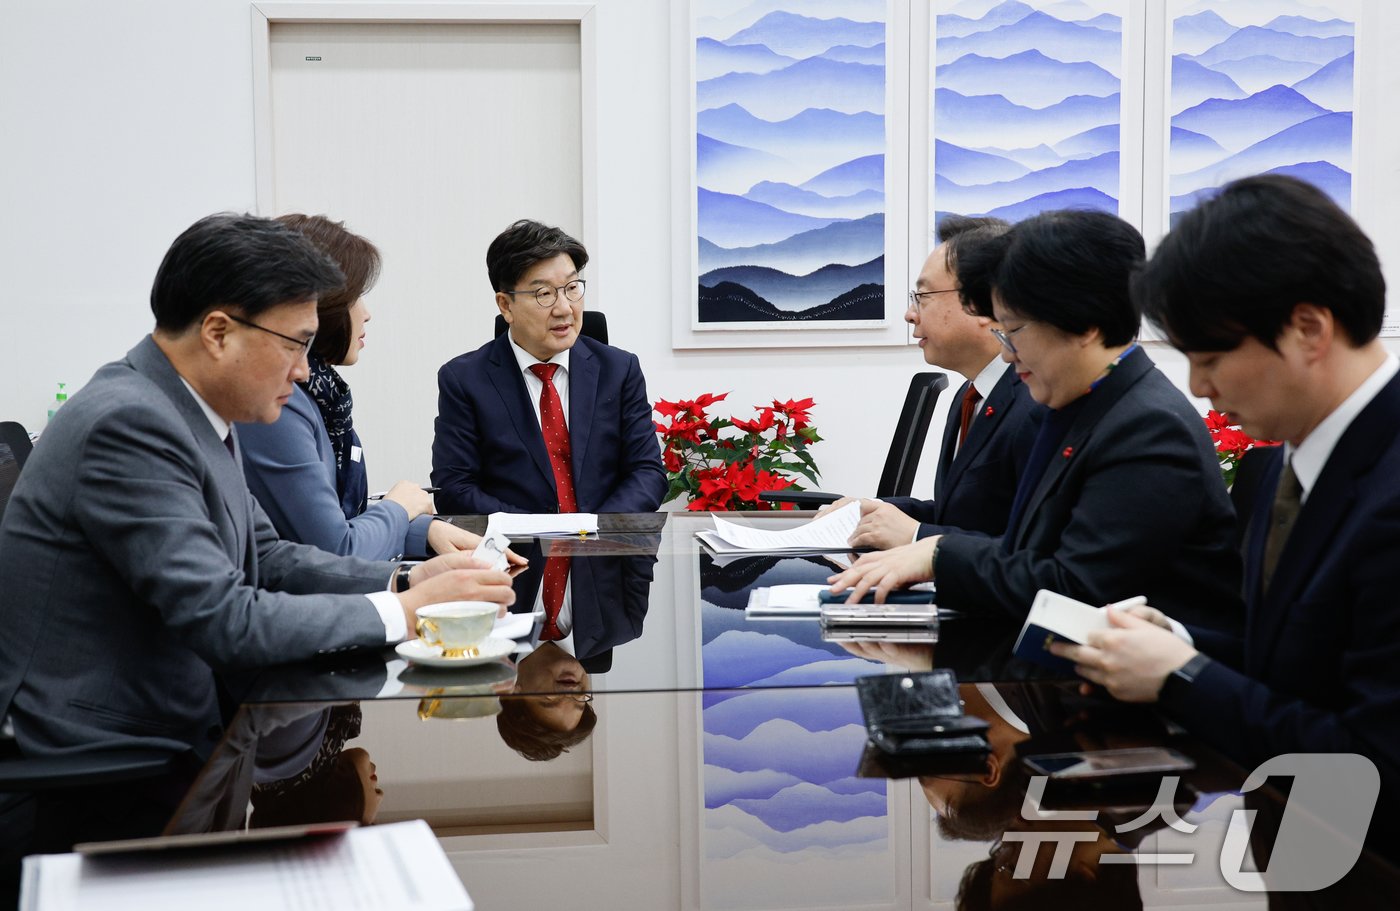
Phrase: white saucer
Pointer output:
(492, 649)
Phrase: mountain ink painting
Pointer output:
(790, 163)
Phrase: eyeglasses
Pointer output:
(1005, 337)
(915, 304)
(303, 344)
(547, 295)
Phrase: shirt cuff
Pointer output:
(1181, 632)
(391, 613)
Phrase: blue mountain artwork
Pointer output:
(798, 292)
(1252, 40)
(1190, 151)
(983, 120)
(1091, 142)
(1077, 198)
(847, 87)
(1254, 74)
(1029, 79)
(1201, 32)
(1333, 86)
(850, 53)
(843, 242)
(733, 221)
(1239, 124)
(794, 35)
(1069, 42)
(715, 58)
(955, 26)
(730, 168)
(804, 202)
(1301, 25)
(967, 166)
(814, 132)
(865, 173)
(1099, 173)
(1324, 138)
(1193, 83)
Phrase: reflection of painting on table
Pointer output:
(779, 773)
(790, 162)
(1260, 86)
(1027, 106)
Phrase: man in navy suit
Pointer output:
(992, 420)
(540, 420)
(1276, 297)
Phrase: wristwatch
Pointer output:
(1187, 673)
(401, 577)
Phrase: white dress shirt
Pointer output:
(386, 603)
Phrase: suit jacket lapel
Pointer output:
(1329, 503)
(583, 395)
(1126, 375)
(505, 375)
(152, 363)
(947, 452)
(992, 413)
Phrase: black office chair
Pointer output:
(595, 325)
(14, 449)
(902, 462)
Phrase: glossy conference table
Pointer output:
(727, 764)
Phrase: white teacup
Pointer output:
(457, 626)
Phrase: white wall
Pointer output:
(125, 120)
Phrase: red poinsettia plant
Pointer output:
(1231, 443)
(724, 464)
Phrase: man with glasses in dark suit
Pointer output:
(992, 420)
(541, 420)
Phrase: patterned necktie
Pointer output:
(556, 436)
(556, 443)
(1288, 501)
(969, 408)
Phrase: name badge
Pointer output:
(355, 453)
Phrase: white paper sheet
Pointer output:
(554, 523)
(784, 601)
(830, 532)
(397, 867)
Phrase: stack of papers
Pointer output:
(828, 534)
(398, 867)
(784, 601)
(553, 523)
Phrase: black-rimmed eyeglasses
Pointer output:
(915, 302)
(1005, 337)
(548, 295)
(303, 344)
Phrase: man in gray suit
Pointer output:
(134, 563)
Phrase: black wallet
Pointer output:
(909, 714)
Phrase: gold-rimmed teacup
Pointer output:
(457, 627)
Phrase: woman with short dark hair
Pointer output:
(307, 469)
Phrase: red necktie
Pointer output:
(556, 436)
(969, 408)
(556, 443)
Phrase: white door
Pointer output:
(427, 139)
